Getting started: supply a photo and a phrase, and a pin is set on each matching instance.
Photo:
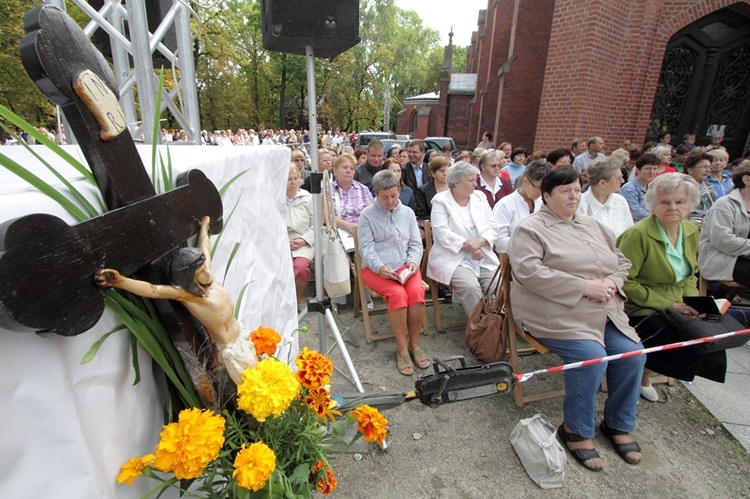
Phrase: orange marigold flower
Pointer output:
(328, 484)
(253, 466)
(371, 424)
(319, 400)
(265, 340)
(318, 466)
(134, 468)
(189, 445)
(313, 369)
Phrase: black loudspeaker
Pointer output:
(329, 26)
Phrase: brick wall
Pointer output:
(582, 67)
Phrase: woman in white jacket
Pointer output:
(301, 231)
(464, 231)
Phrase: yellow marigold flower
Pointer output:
(319, 400)
(371, 424)
(265, 340)
(313, 369)
(253, 466)
(190, 444)
(134, 468)
(328, 484)
(267, 389)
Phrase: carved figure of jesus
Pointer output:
(193, 285)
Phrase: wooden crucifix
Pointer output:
(47, 268)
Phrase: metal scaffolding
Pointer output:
(140, 46)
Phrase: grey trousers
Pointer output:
(467, 288)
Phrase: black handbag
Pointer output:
(711, 325)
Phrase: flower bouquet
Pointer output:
(274, 444)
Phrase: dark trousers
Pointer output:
(681, 363)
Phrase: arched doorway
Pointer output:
(704, 84)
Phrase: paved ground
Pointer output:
(462, 449)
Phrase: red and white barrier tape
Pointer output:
(671, 346)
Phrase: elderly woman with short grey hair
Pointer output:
(463, 230)
(663, 250)
(664, 154)
(602, 201)
(391, 249)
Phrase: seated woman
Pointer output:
(438, 168)
(634, 190)
(697, 165)
(724, 247)
(489, 181)
(567, 292)
(527, 199)
(663, 251)
(720, 179)
(602, 201)
(407, 195)
(389, 243)
(301, 232)
(664, 154)
(350, 197)
(464, 231)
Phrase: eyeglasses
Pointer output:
(299, 160)
(326, 161)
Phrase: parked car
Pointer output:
(437, 143)
(405, 138)
(388, 143)
(365, 138)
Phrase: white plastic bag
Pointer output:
(541, 454)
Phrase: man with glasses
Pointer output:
(369, 168)
(634, 190)
(416, 173)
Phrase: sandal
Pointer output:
(580, 455)
(403, 361)
(420, 359)
(622, 449)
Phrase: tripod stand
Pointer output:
(321, 305)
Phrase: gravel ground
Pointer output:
(462, 449)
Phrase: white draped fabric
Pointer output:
(66, 428)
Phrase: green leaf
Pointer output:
(239, 300)
(231, 181)
(92, 212)
(134, 357)
(44, 140)
(157, 127)
(226, 222)
(43, 187)
(96, 346)
(231, 257)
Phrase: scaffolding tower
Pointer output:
(138, 44)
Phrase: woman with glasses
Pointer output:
(527, 199)
(489, 182)
(602, 201)
(698, 165)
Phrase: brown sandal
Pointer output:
(420, 359)
(403, 361)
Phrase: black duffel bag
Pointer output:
(710, 325)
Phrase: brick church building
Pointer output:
(549, 71)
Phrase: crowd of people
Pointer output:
(599, 246)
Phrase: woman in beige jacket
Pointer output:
(567, 293)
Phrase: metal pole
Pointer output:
(317, 209)
(143, 66)
(187, 73)
(121, 62)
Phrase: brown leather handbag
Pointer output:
(487, 330)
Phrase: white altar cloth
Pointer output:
(66, 428)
